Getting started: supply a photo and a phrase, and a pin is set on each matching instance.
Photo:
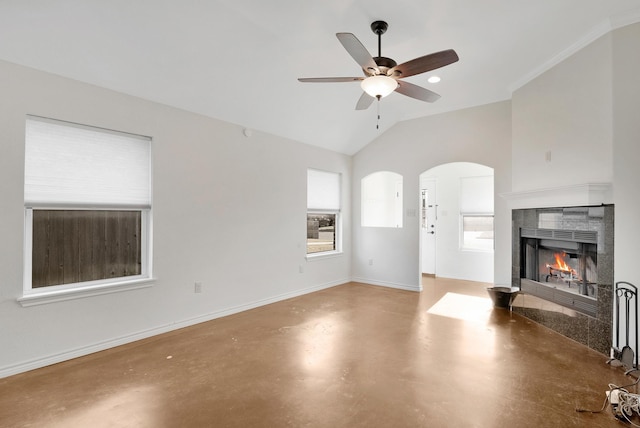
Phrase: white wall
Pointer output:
(381, 200)
(481, 135)
(219, 197)
(451, 260)
(566, 111)
(585, 110)
(626, 153)
(575, 124)
(228, 211)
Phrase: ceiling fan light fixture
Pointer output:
(379, 86)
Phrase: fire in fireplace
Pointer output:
(582, 237)
(561, 269)
(561, 266)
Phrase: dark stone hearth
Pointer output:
(594, 332)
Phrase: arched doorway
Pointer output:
(456, 230)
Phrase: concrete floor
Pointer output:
(349, 356)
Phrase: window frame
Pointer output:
(336, 210)
(337, 234)
(462, 231)
(53, 293)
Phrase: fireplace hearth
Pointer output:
(563, 266)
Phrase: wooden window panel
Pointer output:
(71, 246)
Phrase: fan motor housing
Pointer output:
(384, 63)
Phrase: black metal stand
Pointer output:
(625, 292)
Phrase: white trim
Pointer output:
(44, 297)
(588, 194)
(594, 34)
(312, 257)
(122, 340)
(406, 287)
(53, 121)
(41, 295)
(605, 27)
(27, 250)
(625, 18)
(337, 234)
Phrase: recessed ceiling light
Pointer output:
(433, 79)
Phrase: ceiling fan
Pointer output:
(383, 75)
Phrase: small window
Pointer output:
(477, 232)
(323, 212)
(87, 207)
(321, 232)
(476, 211)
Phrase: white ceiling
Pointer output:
(239, 60)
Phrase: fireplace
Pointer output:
(562, 261)
(561, 266)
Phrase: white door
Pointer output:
(429, 213)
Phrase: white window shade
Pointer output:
(323, 190)
(69, 164)
(476, 194)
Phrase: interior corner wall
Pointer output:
(228, 211)
(626, 144)
(391, 256)
(584, 111)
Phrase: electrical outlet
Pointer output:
(300, 269)
(197, 288)
(370, 262)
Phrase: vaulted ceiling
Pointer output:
(239, 60)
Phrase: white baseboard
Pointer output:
(407, 287)
(144, 334)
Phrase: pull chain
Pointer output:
(378, 115)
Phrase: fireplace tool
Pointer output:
(625, 292)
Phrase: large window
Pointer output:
(323, 212)
(87, 207)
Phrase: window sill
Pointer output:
(45, 297)
(322, 256)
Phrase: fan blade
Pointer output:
(417, 92)
(425, 63)
(364, 102)
(329, 79)
(358, 52)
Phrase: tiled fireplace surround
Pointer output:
(593, 332)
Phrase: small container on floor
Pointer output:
(501, 296)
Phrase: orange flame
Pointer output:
(562, 265)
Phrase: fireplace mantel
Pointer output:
(588, 194)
